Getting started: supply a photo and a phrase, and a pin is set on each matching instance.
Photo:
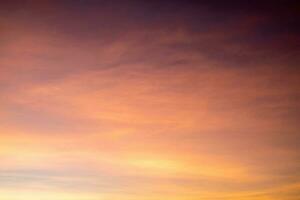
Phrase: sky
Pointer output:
(149, 100)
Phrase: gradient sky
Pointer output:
(149, 100)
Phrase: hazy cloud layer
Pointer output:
(136, 100)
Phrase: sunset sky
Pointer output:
(149, 100)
